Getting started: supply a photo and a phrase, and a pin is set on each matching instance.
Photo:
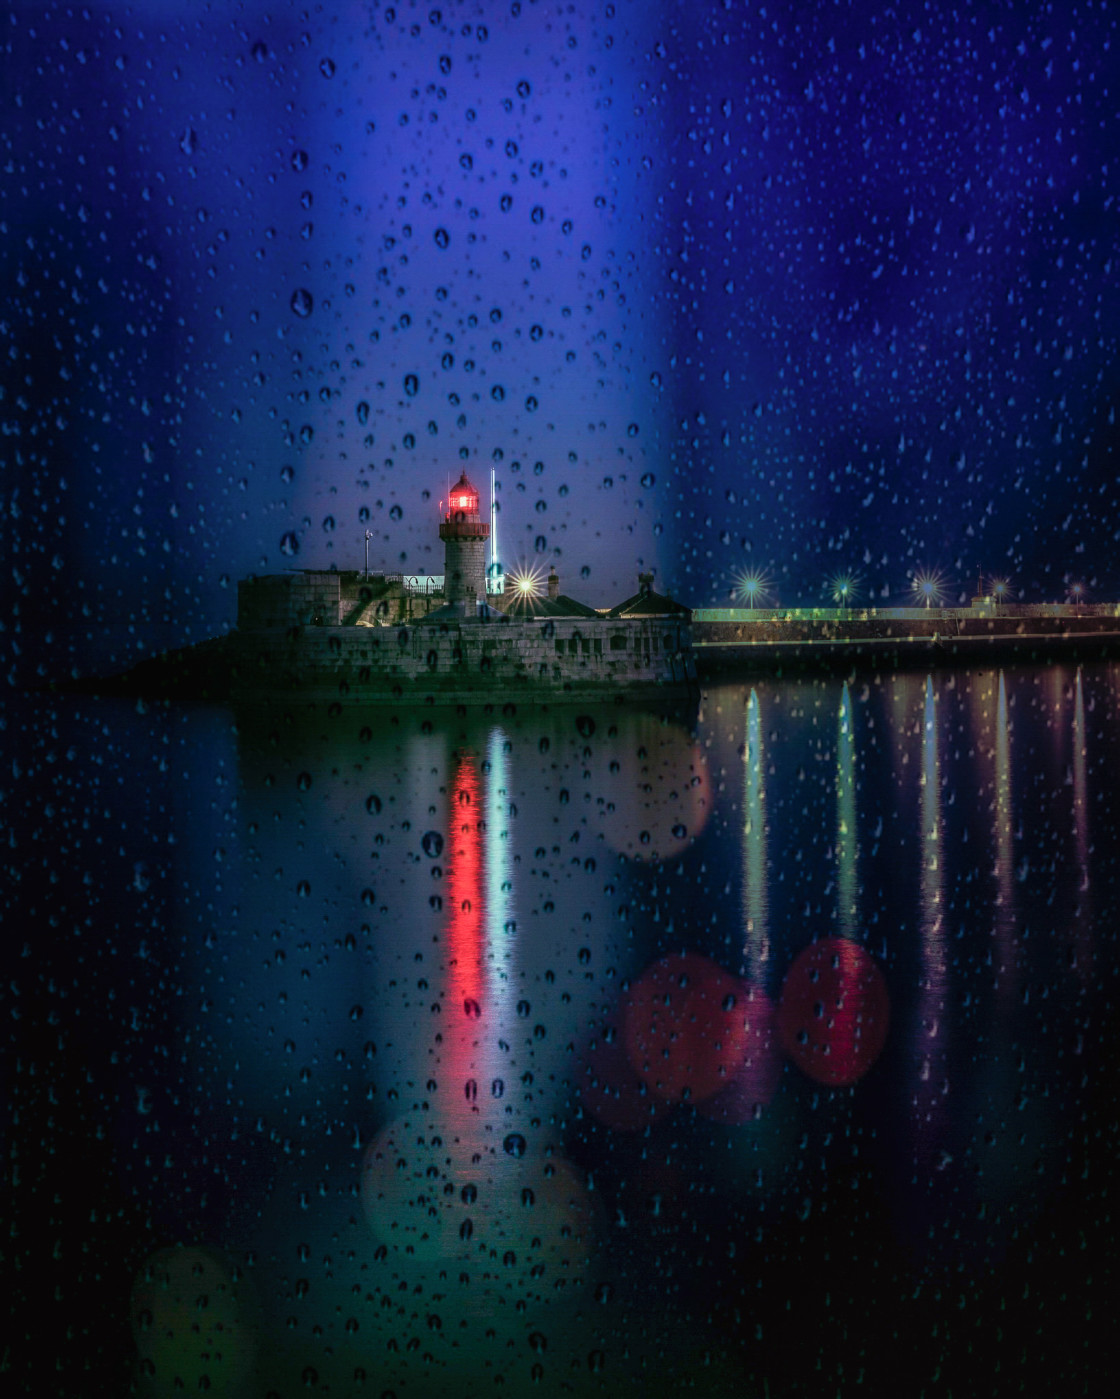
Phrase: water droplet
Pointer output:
(432, 844)
(411, 385)
(471, 1008)
(523, 1009)
(303, 781)
(362, 412)
(303, 303)
(497, 393)
(395, 512)
(442, 237)
(631, 429)
(259, 51)
(538, 1341)
(470, 1090)
(188, 142)
(373, 804)
(299, 160)
(585, 725)
(648, 479)
(497, 1088)
(540, 544)
(469, 1193)
(289, 544)
(680, 831)
(303, 888)
(327, 68)
(514, 1144)
(287, 474)
(328, 524)
(307, 434)
(356, 1012)
(584, 956)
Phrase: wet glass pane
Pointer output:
(600, 875)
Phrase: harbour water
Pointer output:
(768, 1048)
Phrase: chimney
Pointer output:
(645, 583)
(553, 584)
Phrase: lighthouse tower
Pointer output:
(464, 536)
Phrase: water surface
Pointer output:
(768, 1048)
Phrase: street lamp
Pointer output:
(928, 589)
(751, 586)
(843, 587)
(369, 536)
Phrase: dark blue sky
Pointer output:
(789, 288)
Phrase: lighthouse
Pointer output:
(464, 535)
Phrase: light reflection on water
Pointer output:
(496, 1041)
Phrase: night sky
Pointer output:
(790, 289)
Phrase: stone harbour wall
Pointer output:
(449, 663)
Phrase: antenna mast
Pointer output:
(493, 569)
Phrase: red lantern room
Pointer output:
(462, 504)
(464, 534)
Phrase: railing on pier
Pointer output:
(903, 614)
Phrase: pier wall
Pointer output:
(445, 664)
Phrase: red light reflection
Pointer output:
(464, 888)
(834, 1011)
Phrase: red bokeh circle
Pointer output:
(834, 1011)
(684, 1027)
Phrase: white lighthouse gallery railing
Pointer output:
(424, 584)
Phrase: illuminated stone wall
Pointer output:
(443, 663)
